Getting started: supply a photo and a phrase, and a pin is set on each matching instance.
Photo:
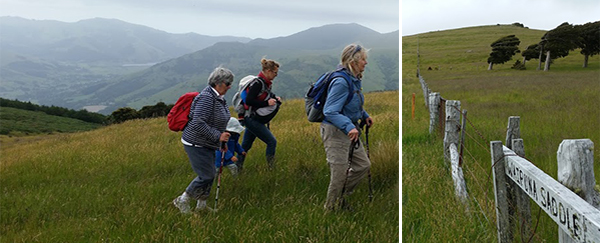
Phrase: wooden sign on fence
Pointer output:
(572, 213)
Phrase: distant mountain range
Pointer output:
(109, 63)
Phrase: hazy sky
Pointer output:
(421, 16)
(254, 18)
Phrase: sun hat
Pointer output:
(234, 125)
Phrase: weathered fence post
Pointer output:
(503, 219)
(513, 131)
(460, 187)
(434, 116)
(452, 127)
(575, 159)
(426, 91)
(521, 197)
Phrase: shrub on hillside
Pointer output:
(518, 65)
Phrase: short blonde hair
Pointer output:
(268, 64)
(351, 54)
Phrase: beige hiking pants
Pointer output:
(337, 148)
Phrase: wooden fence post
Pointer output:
(452, 126)
(513, 131)
(521, 205)
(575, 159)
(521, 197)
(434, 116)
(460, 187)
(503, 219)
(426, 91)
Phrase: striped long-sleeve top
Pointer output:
(209, 117)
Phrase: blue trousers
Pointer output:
(256, 129)
(203, 163)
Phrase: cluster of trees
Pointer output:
(128, 113)
(83, 115)
(118, 116)
(554, 44)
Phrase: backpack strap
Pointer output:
(341, 73)
(263, 89)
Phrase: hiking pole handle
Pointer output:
(223, 146)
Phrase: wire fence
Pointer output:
(474, 142)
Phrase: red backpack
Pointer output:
(178, 117)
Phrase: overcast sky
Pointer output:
(254, 18)
(421, 16)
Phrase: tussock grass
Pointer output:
(555, 105)
(116, 184)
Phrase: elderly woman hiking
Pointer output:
(340, 129)
(203, 135)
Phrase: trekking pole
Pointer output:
(350, 155)
(367, 146)
(362, 124)
(223, 150)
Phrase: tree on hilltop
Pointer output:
(503, 49)
(123, 114)
(589, 41)
(533, 52)
(558, 42)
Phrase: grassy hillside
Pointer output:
(116, 184)
(23, 122)
(555, 105)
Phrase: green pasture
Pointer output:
(555, 105)
(117, 183)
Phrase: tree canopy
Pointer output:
(558, 42)
(503, 49)
(589, 40)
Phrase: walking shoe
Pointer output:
(182, 203)
(201, 205)
(344, 205)
(271, 161)
(233, 169)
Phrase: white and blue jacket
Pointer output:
(344, 116)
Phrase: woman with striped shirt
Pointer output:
(202, 135)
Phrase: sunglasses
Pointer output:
(356, 49)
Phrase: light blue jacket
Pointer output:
(344, 116)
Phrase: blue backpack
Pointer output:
(315, 97)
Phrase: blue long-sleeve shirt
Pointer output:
(232, 147)
(337, 112)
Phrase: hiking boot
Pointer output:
(271, 162)
(201, 205)
(344, 205)
(183, 204)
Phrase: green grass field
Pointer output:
(20, 122)
(559, 104)
(116, 184)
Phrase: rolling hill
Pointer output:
(58, 63)
(110, 63)
(303, 57)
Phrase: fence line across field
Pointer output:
(516, 180)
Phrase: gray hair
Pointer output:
(220, 75)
